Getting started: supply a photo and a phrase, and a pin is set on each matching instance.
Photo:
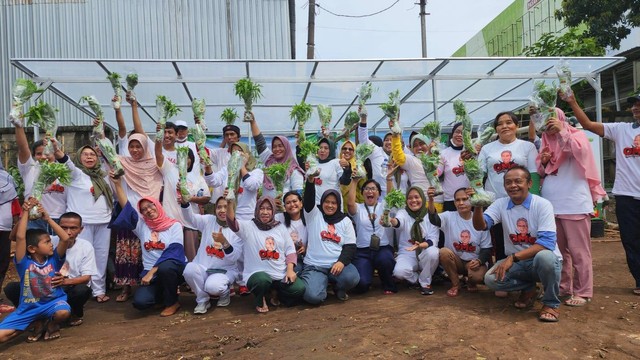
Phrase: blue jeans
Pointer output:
(545, 267)
(366, 260)
(628, 213)
(316, 279)
(163, 287)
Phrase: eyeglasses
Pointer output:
(147, 208)
(265, 208)
(371, 188)
(347, 149)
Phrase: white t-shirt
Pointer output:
(568, 189)
(171, 156)
(197, 187)
(429, 232)
(171, 235)
(329, 178)
(538, 217)
(247, 195)
(297, 229)
(80, 259)
(453, 171)
(460, 236)
(378, 158)
(6, 219)
(265, 250)
(627, 157)
(364, 227)
(325, 241)
(519, 152)
(54, 197)
(170, 177)
(80, 198)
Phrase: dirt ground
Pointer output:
(404, 325)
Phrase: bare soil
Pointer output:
(404, 325)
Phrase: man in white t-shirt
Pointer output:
(220, 156)
(75, 274)
(626, 187)
(182, 132)
(529, 242)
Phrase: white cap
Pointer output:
(181, 123)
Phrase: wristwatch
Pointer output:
(514, 258)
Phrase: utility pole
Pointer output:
(311, 29)
(423, 25)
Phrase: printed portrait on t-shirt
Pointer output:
(522, 235)
(636, 142)
(633, 150)
(270, 243)
(459, 170)
(465, 242)
(270, 252)
(295, 236)
(506, 162)
(330, 234)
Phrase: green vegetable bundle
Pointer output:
(49, 172)
(277, 172)
(229, 116)
(392, 109)
(475, 175)
(200, 139)
(363, 151)
(43, 116)
(364, 94)
(432, 130)
(114, 78)
(132, 82)
(109, 152)
(182, 157)
(544, 99)
(324, 112)
(21, 92)
(236, 161)
(564, 77)
(98, 129)
(394, 199)
(351, 119)
(486, 131)
(301, 113)
(308, 150)
(249, 92)
(165, 109)
(199, 107)
(430, 163)
(17, 179)
(467, 126)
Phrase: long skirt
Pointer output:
(128, 258)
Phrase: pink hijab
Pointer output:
(288, 155)
(142, 176)
(571, 142)
(160, 223)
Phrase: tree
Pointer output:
(572, 43)
(608, 21)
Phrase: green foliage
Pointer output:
(114, 79)
(94, 104)
(394, 199)
(324, 112)
(432, 130)
(169, 107)
(50, 171)
(248, 91)
(392, 107)
(17, 179)
(351, 119)
(301, 113)
(42, 115)
(23, 89)
(229, 116)
(573, 43)
(308, 147)
(132, 81)
(199, 107)
(277, 172)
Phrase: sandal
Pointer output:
(636, 291)
(53, 331)
(526, 299)
(264, 308)
(472, 288)
(75, 321)
(453, 292)
(102, 298)
(577, 301)
(39, 328)
(124, 295)
(548, 314)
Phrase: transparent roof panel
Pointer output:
(487, 85)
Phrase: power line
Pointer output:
(357, 16)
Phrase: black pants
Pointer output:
(5, 254)
(77, 296)
(163, 289)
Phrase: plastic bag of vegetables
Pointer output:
(249, 92)
(430, 164)
(467, 126)
(109, 152)
(236, 161)
(22, 91)
(363, 151)
(475, 175)
(199, 107)
(301, 113)
(200, 139)
(114, 79)
(544, 99)
(364, 94)
(432, 130)
(165, 109)
(564, 76)
(277, 172)
(394, 199)
(98, 129)
(49, 172)
(182, 157)
(132, 82)
(392, 109)
(43, 116)
(485, 132)
(325, 113)
(308, 150)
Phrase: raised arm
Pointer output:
(309, 200)
(352, 207)
(118, 190)
(595, 127)
(137, 124)
(434, 218)
(21, 229)
(122, 128)
(63, 245)
(24, 153)
(158, 150)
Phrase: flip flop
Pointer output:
(102, 298)
(577, 301)
(548, 314)
(53, 332)
(124, 296)
(37, 334)
(636, 291)
(526, 299)
(453, 292)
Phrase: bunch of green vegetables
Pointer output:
(277, 172)
(308, 150)
(467, 126)
(229, 116)
(17, 179)
(486, 131)
(109, 152)
(475, 175)
(199, 107)
(351, 120)
(236, 161)
(49, 172)
(43, 116)
(432, 130)
(564, 77)
(301, 113)
(365, 91)
(249, 92)
(200, 139)
(165, 109)
(324, 112)
(98, 128)
(22, 91)
(114, 79)
(430, 163)
(392, 109)
(363, 151)
(544, 99)
(182, 159)
(132, 82)
(394, 199)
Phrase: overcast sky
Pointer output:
(394, 33)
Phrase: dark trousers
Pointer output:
(5, 254)
(628, 214)
(77, 296)
(260, 285)
(497, 238)
(367, 260)
(163, 287)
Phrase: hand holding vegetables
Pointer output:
(49, 172)
(475, 175)
(236, 162)
(363, 151)
(132, 82)
(182, 157)
(248, 92)
(165, 109)
(394, 199)
(114, 79)
(199, 107)
(392, 110)
(544, 99)
(324, 112)
(21, 92)
(364, 94)
(43, 115)
(98, 128)
(109, 152)
(301, 113)
(308, 150)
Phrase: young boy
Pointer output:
(37, 264)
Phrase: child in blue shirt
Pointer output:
(41, 301)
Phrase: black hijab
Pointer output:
(338, 215)
(332, 150)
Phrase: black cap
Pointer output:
(376, 140)
(632, 99)
(233, 128)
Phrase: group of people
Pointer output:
(328, 231)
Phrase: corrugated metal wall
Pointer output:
(136, 29)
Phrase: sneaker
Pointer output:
(342, 295)
(243, 290)
(202, 308)
(224, 300)
(426, 290)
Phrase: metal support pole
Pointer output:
(423, 27)
(311, 30)
(616, 93)
(434, 89)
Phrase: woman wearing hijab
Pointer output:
(163, 258)
(331, 246)
(214, 269)
(451, 168)
(9, 211)
(88, 182)
(418, 242)
(269, 256)
(571, 183)
(279, 153)
(142, 178)
(348, 163)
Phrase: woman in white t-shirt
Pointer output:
(571, 182)
(293, 220)
(90, 195)
(452, 169)
(330, 169)
(269, 256)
